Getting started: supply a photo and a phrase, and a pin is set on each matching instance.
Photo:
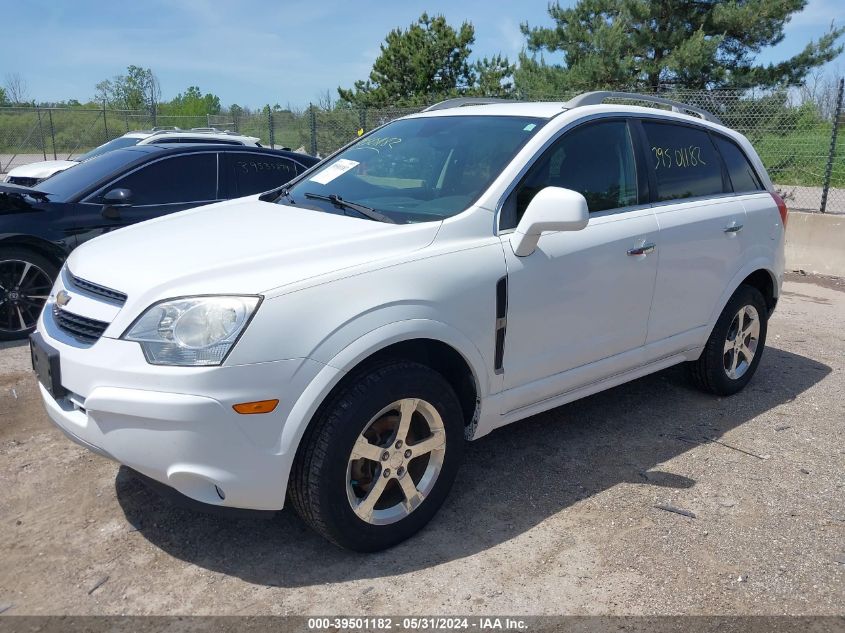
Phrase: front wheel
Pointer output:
(735, 346)
(379, 457)
(26, 279)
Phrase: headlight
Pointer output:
(194, 331)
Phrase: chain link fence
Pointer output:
(799, 139)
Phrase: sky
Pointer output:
(254, 52)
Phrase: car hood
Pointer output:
(242, 246)
(42, 169)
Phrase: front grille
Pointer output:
(80, 327)
(22, 181)
(96, 289)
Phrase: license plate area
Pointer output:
(46, 365)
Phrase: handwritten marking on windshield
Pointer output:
(377, 143)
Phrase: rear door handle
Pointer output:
(733, 227)
(645, 249)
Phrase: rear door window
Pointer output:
(684, 161)
(187, 178)
(742, 174)
(248, 173)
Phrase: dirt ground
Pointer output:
(549, 516)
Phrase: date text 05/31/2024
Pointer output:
(418, 623)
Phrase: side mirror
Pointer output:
(114, 201)
(552, 209)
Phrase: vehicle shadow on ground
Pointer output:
(12, 344)
(511, 480)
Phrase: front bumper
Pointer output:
(176, 425)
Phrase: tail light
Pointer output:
(784, 212)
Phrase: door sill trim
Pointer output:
(609, 378)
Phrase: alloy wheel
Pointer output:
(396, 461)
(24, 287)
(741, 343)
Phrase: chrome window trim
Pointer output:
(658, 205)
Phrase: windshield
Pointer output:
(417, 170)
(69, 183)
(123, 141)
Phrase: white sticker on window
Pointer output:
(529, 127)
(334, 170)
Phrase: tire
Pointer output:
(723, 368)
(329, 486)
(26, 279)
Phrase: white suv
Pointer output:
(31, 174)
(336, 341)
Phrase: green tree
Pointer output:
(649, 44)
(3, 99)
(427, 61)
(236, 112)
(493, 77)
(194, 103)
(138, 89)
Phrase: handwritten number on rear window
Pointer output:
(668, 157)
(250, 166)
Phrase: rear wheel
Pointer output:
(735, 346)
(25, 282)
(380, 457)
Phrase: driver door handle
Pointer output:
(645, 249)
(733, 228)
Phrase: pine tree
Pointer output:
(425, 62)
(650, 44)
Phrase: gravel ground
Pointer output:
(552, 515)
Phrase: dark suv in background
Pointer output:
(40, 225)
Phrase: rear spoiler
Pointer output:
(20, 190)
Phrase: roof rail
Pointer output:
(164, 128)
(157, 131)
(600, 96)
(460, 102)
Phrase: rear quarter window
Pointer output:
(742, 174)
(684, 161)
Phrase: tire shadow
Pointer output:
(510, 481)
(13, 344)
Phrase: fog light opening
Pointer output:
(220, 493)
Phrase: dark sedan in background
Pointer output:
(39, 226)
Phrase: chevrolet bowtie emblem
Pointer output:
(62, 298)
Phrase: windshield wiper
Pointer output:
(360, 208)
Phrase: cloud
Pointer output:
(511, 37)
(817, 13)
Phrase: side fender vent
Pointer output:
(501, 324)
